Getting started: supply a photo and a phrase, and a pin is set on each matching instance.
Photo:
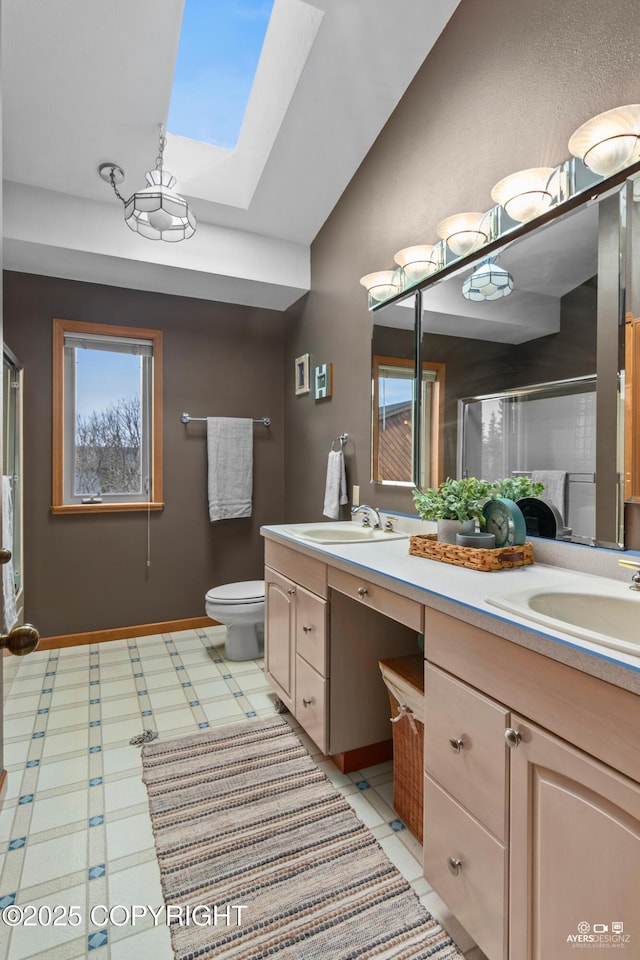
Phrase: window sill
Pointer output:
(69, 508)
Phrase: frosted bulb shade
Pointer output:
(417, 262)
(160, 220)
(463, 232)
(381, 285)
(609, 142)
(526, 194)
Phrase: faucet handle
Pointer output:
(635, 566)
(389, 522)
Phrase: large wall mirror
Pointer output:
(532, 383)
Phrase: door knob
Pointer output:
(20, 640)
(5, 555)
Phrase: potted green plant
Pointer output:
(514, 488)
(454, 504)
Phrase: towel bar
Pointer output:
(265, 421)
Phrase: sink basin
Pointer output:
(341, 531)
(607, 614)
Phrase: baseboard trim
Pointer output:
(122, 633)
(361, 757)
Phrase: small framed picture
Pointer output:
(322, 381)
(302, 374)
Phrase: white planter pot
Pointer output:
(447, 529)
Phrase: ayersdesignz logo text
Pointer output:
(600, 935)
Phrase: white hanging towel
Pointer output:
(9, 610)
(555, 487)
(336, 486)
(230, 458)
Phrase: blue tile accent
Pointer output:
(50, 673)
(239, 693)
(98, 939)
(96, 821)
(94, 666)
(147, 713)
(38, 735)
(142, 693)
(135, 659)
(397, 825)
(95, 700)
(95, 781)
(194, 703)
(251, 713)
(362, 785)
(48, 690)
(179, 668)
(7, 900)
(132, 646)
(217, 660)
(203, 724)
(93, 683)
(186, 684)
(17, 843)
(26, 798)
(227, 676)
(51, 659)
(33, 763)
(94, 723)
(98, 871)
(137, 674)
(95, 749)
(173, 653)
(43, 710)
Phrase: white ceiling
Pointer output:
(86, 82)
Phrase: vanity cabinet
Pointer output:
(324, 636)
(532, 800)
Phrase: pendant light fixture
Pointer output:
(155, 212)
(488, 282)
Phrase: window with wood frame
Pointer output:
(107, 418)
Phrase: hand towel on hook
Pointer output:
(336, 485)
(230, 457)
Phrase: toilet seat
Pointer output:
(232, 594)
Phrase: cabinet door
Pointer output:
(311, 702)
(280, 596)
(575, 852)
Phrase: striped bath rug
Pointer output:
(261, 857)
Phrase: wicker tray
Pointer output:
(502, 558)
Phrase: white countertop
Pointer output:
(462, 593)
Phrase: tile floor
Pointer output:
(75, 828)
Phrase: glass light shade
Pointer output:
(158, 214)
(526, 194)
(609, 142)
(381, 285)
(488, 282)
(463, 233)
(417, 262)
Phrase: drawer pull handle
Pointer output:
(513, 737)
(454, 865)
(307, 629)
(456, 744)
(362, 591)
(291, 591)
(307, 701)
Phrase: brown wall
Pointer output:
(89, 572)
(503, 89)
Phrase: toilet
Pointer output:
(240, 606)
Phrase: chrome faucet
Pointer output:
(369, 512)
(635, 566)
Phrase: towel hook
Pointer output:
(342, 439)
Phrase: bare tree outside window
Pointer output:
(107, 450)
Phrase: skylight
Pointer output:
(219, 49)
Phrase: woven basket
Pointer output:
(406, 675)
(501, 558)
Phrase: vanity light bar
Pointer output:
(605, 151)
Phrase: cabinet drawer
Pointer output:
(311, 702)
(464, 747)
(391, 604)
(311, 630)
(307, 571)
(476, 894)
